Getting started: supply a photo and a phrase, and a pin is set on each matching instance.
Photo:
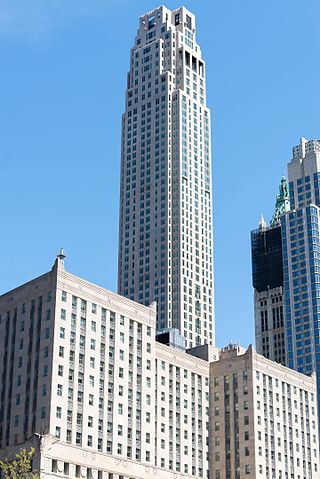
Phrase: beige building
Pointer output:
(263, 419)
(85, 381)
(80, 368)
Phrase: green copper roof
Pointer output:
(282, 202)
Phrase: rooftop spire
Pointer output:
(282, 202)
(262, 223)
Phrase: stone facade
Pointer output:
(263, 419)
(165, 224)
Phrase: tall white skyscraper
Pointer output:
(166, 250)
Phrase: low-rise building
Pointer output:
(263, 419)
(84, 380)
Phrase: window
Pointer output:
(93, 326)
(62, 333)
(93, 344)
(59, 412)
(63, 314)
(61, 351)
(91, 399)
(63, 296)
(59, 390)
(54, 465)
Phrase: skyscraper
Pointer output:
(299, 262)
(267, 280)
(301, 259)
(165, 231)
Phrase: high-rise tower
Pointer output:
(299, 264)
(165, 233)
(301, 259)
(267, 280)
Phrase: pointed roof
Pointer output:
(282, 202)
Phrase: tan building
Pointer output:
(85, 381)
(263, 419)
(81, 368)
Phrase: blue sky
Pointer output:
(63, 73)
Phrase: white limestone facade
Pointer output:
(263, 419)
(165, 224)
(84, 380)
(81, 369)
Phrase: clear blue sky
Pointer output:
(63, 69)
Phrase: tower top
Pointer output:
(282, 202)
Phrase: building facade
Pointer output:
(301, 259)
(84, 380)
(267, 281)
(81, 369)
(295, 234)
(165, 224)
(263, 419)
(267, 278)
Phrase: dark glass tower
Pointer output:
(267, 280)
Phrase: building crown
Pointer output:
(282, 202)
